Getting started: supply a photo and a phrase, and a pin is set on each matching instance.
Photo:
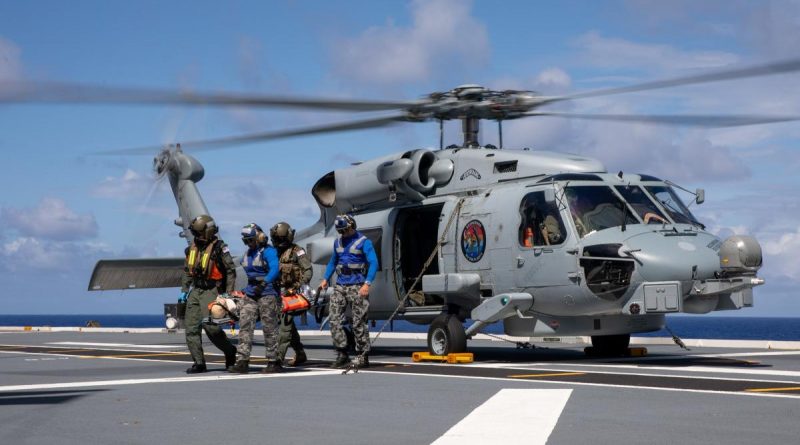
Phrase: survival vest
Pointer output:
(256, 269)
(352, 262)
(291, 272)
(203, 263)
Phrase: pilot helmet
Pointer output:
(203, 228)
(282, 234)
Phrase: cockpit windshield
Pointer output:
(674, 206)
(642, 204)
(596, 208)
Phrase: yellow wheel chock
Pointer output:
(453, 358)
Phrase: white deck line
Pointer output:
(510, 417)
(697, 343)
(203, 378)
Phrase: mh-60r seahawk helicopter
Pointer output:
(551, 244)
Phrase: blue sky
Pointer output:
(61, 210)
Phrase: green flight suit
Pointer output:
(295, 271)
(203, 291)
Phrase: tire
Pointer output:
(446, 335)
(611, 345)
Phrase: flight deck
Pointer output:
(126, 387)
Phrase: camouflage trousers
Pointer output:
(343, 296)
(196, 311)
(288, 336)
(249, 311)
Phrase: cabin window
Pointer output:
(595, 208)
(541, 222)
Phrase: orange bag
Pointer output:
(294, 304)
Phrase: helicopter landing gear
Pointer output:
(446, 335)
(610, 345)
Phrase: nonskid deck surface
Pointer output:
(131, 388)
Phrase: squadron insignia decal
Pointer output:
(471, 172)
(473, 241)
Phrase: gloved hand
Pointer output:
(183, 296)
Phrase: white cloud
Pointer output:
(10, 64)
(442, 34)
(51, 220)
(620, 53)
(32, 254)
(130, 184)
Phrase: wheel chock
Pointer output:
(455, 357)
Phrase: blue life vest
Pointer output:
(256, 269)
(351, 264)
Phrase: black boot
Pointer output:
(272, 368)
(299, 358)
(230, 359)
(197, 368)
(241, 367)
(362, 361)
(342, 360)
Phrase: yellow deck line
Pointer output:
(785, 388)
(57, 351)
(153, 354)
(552, 374)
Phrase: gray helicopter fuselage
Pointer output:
(615, 278)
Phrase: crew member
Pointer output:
(208, 270)
(355, 264)
(261, 300)
(295, 271)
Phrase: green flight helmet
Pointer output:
(203, 228)
(282, 234)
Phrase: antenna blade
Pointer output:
(676, 119)
(785, 66)
(53, 92)
(226, 142)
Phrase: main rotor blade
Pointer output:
(676, 119)
(47, 92)
(216, 144)
(786, 66)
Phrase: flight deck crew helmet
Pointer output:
(252, 232)
(203, 228)
(343, 222)
(282, 234)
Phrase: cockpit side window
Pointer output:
(541, 222)
(642, 204)
(675, 207)
(595, 208)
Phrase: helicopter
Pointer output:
(549, 244)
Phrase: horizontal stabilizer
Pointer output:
(143, 273)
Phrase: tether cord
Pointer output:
(354, 365)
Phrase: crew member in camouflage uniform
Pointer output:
(355, 264)
(260, 262)
(208, 270)
(295, 271)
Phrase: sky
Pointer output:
(62, 209)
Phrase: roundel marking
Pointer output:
(473, 241)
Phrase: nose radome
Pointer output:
(673, 258)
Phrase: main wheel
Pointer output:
(446, 335)
(611, 345)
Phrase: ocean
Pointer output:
(734, 328)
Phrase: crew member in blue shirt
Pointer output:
(355, 264)
(261, 298)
